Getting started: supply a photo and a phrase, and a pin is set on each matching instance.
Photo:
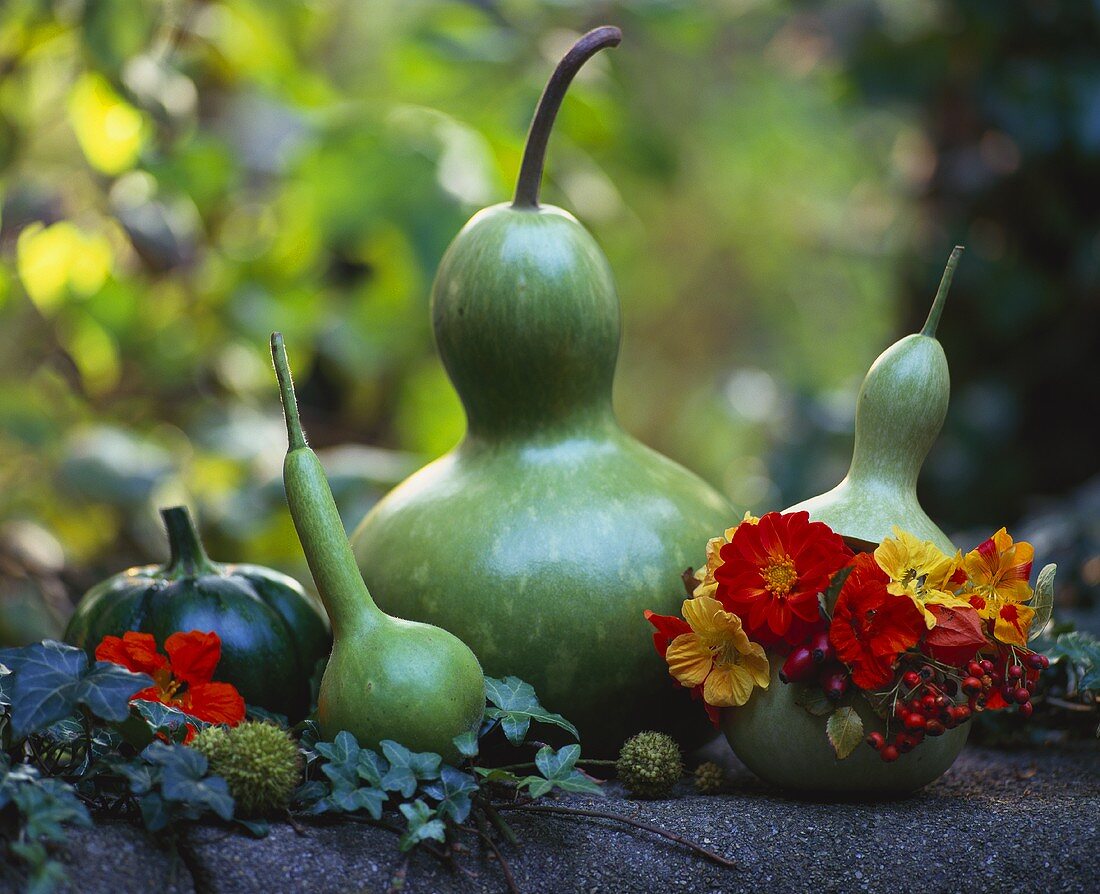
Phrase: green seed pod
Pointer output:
(709, 778)
(650, 764)
(899, 413)
(259, 761)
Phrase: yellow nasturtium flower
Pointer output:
(705, 575)
(998, 572)
(919, 570)
(717, 654)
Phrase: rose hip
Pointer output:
(798, 666)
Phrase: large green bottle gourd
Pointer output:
(900, 411)
(542, 537)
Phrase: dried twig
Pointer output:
(505, 867)
(639, 824)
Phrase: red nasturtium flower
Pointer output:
(183, 679)
(772, 572)
(871, 627)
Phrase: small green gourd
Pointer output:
(543, 536)
(386, 678)
(900, 411)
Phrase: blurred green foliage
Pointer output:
(180, 177)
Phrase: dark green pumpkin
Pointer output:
(272, 633)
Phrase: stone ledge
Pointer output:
(1024, 821)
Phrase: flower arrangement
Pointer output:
(926, 638)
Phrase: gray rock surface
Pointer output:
(998, 821)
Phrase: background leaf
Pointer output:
(1043, 600)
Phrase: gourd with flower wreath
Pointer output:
(802, 649)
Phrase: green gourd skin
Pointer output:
(899, 413)
(272, 633)
(386, 678)
(544, 535)
(782, 743)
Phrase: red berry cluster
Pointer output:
(816, 660)
(927, 704)
(928, 708)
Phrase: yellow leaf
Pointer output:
(51, 260)
(94, 352)
(111, 132)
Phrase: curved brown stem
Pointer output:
(638, 824)
(534, 154)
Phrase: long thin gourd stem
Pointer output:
(534, 154)
(295, 436)
(933, 321)
(316, 519)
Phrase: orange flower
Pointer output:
(667, 629)
(716, 654)
(999, 571)
(182, 680)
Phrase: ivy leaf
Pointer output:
(256, 828)
(51, 679)
(354, 800)
(43, 691)
(183, 778)
(845, 731)
(515, 705)
(308, 793)
(46, 805)
(155, 813)
(491, 774)
(812, 698)
(407, 768)
(341, 750)
(558, 769)
(423, 824)
(142, 776)
(1043, 600)
(466, 743)
(43, 874)
(371, 767)
(165, 720)
(452, 790)
(106, 689)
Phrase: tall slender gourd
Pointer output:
(899, 412)
(544, 535)
(386, 678)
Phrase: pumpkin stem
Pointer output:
(534, 153)
(187, 558)
(933, 321)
